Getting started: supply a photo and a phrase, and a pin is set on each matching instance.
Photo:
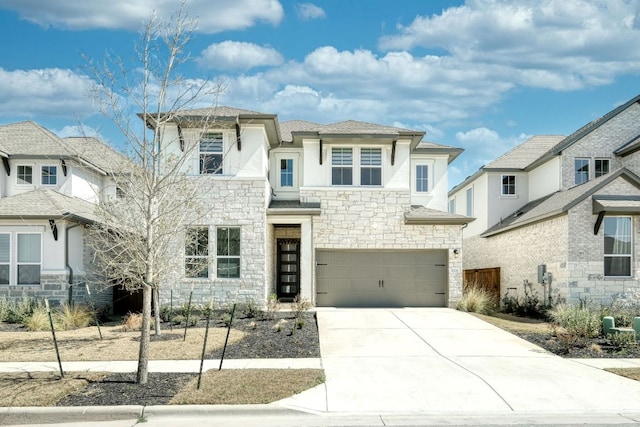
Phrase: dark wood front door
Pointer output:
(288, 269)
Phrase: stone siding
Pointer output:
(601, 143)
(228, 202)
(374, 219)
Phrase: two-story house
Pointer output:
(560, 211)
(342, 214)
(48, 190)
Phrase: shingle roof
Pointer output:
(99, 154)
(557, 203)
(629, 147)
(29, 139)
(45, 203)
(220, 111)
(296, 126)
(524, 154)
(422, 215)
(356, 127)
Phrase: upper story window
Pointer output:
(617, 246)
(508, 185)
(452, 206)
(370, 166)
(196, 252)
(49, 175)
(211, 153)
(25, 175)
(286, 173)
(422, 178)
(341, 166)
(602, 167)
(470, 202)
(582, 171)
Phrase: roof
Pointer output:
(419, 215)
(516, 159)
(628, 147)
(557, 203)
(28, 139)
(100, 154)
(585, 130)
(46, 204)
(293, 207)
(286, 128)
(427, 147)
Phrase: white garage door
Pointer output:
(352, 278)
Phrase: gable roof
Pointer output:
(516, 159)
(558, 203)
(628, 147)
(419, 215)
(583, 131)
(426, 147)
(47, 204)
(101, 155)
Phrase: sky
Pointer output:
(482, 75)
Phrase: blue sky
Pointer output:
(482, 75)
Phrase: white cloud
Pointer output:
(309, 11)
(70, 130)
(487, 144)
(233, 55)
(213, 16)
(51, 92)
(555, 44)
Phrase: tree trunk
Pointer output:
(143, 356)
(156, 310)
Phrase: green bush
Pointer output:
(582, 322)
(251, 310)
(5, 307)
(476, 300)
(623, 311)
(528, 305)
(622, 341)
(18, 311)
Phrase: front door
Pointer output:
(288, 269)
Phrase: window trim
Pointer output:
(612, 255)
(468, 193)
(369, 167)
(426, 178)
(595, 166)
(55, 175)
(227, 257)
(9, 262)
(18, 263)
(196, 256)
(205, 137)
(350, 166)
(22, 184)
(452, 206)
(575, 170)
(504, 186)
(287, 172)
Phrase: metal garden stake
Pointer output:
(226, 340)
(53, 332)
(204, 345)
(93, 310)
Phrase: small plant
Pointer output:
(166, 313)
(193, 320)
(178, 319)
(582, 322)
(251, 310)
(5, 307)
(72, 316)
(38, 320)
(19, 311)
(476, 300)
(622, 341)
(528, 305)
(273, 306)
(133, 322)
(299, 306)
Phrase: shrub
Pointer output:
(622, 341)
(71, 317)
(178, 319)
(582, 322)
(299, 306)
(476, 300)
(273, 306)
(251, 310)
(133, 322)
(38, 320)
(623, 310)
(528, 305)
(166, 313)
(19, 311)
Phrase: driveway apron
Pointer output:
(440, 360)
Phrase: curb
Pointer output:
(76, 414)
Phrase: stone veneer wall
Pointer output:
(363, 218)
(235, 203)
(519, 252)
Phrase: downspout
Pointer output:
(66, 252)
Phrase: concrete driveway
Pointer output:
(438, 360)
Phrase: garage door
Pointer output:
(381, 278)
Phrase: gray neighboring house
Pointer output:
(48, 190)
(568, 204)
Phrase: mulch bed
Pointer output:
(582, 348)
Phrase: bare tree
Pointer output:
(134, 242)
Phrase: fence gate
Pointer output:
(484, 278)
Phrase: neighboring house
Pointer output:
(48, 190)
(344, 214)
(565, 206)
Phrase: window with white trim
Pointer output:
(286, 172)
(341, 166)
(196, 252)
(581, 171)
(49, 175)
(470, 201)
(508, 185)
(24, 175)
(422, 178)
(29, 258)
(617, 246)
(5, 258)
(452, 206)
(211, 153)
(371, 166)
(602, 167)
(228, 252)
